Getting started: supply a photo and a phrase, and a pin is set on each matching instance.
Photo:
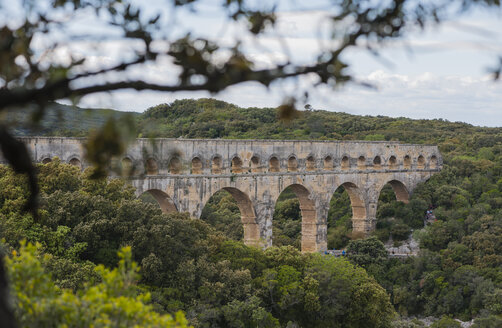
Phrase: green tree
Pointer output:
(38, 302)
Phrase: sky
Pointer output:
(441, 72)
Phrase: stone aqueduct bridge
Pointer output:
(182, 174)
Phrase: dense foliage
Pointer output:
(185, 264)
(201, 268)
(458, 271)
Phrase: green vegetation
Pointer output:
(458, 272)
(186, 265)
(58, 120)
(201, 268)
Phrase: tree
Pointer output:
(112, 302)
(31, 75)
(365, 252)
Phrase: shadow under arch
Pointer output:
(393, 218)
(248, 216)
(165, 202)
(308, 216)
(346, 216)
(400, 190)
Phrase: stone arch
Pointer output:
(126, 165)
(407, 162)
(433, 163)
(421, 162)
(248, 216)
(75, 162)
(361, 163)
(197, 166)
(174, 166)
(358, 206)
(328, 163)
(46, 160)
(151, 167)
(309, 221)
(274, 165)
(392, 163)
(310, 163)
(400, 190)
(216, 164)
(292, 164)
(377, 163)
(165, 202)
(254, 164)
(236, 165)
(345, 164)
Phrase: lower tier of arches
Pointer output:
(256, 202)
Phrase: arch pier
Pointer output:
(255, 172)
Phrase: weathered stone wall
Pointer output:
(182, 174)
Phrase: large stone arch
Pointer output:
(248, 216)
(309, 217)
(400, 190)
(358, 206)
(165, 202)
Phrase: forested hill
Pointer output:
(209, 118)
(58, 120)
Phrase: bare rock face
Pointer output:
(182, 174)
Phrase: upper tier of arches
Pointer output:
(175, 165)
(276, 164)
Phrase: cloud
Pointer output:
(455, 98)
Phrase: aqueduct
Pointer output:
(182, 174)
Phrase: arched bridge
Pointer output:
(182, 174)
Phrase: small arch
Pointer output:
(75, 162)
(274, 164)
(392, 163)
(236, 165)
(328, 163)
(216, 165)
(310, 163)
(248, 217)
(152, 167)
(377, 163)
(46, 160)
(255, 164)
(361, 163)
(126, 166)
(197, 167)
(345, 163)
(165, 202)
(174, 166)
(407, 162)
(292, 164)
(421, 162)
(433, 163)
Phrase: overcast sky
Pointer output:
(439, 73)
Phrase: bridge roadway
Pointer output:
(182, 174)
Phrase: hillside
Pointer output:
(456, 273)
(209, 118)
(59, 120)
